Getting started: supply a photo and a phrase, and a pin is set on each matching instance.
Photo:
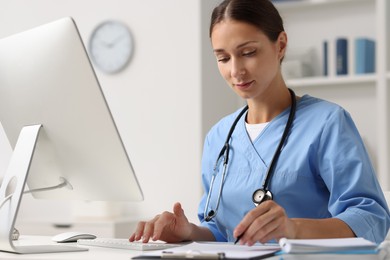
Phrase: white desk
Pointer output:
(94, 253)
(115, 227)
(99, 253)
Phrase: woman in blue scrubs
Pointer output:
(323, 184)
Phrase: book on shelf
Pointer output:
(341, 56)
(364, 55)
(325, 58)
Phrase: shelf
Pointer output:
(299, 4)
(331, 81)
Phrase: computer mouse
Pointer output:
(71, 236)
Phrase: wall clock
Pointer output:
(111, 46)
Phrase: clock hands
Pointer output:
(112, 43)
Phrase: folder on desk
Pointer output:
(335, 245)
(214, 250)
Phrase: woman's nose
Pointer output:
(237, 69)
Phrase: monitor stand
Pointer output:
(11, 192)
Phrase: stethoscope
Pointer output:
(262, 194)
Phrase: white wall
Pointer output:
(156, 102)
(217, 97)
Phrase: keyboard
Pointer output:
(125, 244)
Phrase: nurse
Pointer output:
(322, 184)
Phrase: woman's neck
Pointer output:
(264, 110)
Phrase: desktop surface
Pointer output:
(100, 253)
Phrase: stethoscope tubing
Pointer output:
(224, 153)
(278, 150)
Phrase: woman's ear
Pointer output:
(282, 45)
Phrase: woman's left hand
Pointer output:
(265, 222)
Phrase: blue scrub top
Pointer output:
(323, 171)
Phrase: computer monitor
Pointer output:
(57, 120)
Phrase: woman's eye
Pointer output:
(223, 59)
(249, 53)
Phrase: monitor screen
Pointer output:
(47, 79)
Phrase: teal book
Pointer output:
(364, 56)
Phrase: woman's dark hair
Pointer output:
(260, 13)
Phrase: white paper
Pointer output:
(229, 249)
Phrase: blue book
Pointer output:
(364, 56)
(341, 56)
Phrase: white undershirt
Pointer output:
(255, 129)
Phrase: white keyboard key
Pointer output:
(125, 244)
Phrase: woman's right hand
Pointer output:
(169, 227)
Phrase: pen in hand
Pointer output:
(238, 238)
(257, 202)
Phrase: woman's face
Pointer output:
(247, 59)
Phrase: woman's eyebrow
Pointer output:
(238, 46)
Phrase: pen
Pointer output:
(238, 238)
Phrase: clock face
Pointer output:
(111, 46)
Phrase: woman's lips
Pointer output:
(244, 85)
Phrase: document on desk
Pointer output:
(214, 250)
(336, 245)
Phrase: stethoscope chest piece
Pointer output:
(261, 195)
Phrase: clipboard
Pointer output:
(213, 250)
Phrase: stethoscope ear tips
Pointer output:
(210, 215)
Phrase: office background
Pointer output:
(163, 102)
(171, 93)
